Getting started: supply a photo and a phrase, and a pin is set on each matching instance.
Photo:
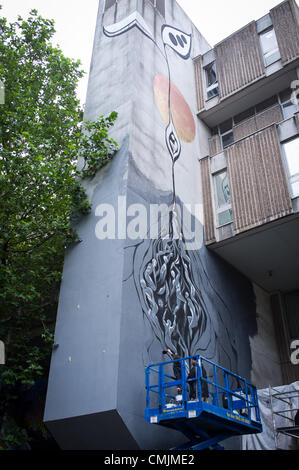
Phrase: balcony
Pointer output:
(253, 223)
(250, 66)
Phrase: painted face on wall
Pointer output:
(179, 41)
(169, 296)
(182, 116)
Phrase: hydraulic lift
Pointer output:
(209, 405)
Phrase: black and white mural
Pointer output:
(128, 296)
(178, 297)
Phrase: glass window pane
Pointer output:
(272, 57)
(222, 189)
(109, 4)
(295, 192)
(291, 149)
(211, 75)
(244, 115)
(225, 217)
(227, 139)
(289, 109)
(269, 41)
(266, 104)
(214, 91)
(226, 126)
(285, 95)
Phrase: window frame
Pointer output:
(215, 85)
(292, 179)
(114, 2)
(274, 100)
(272, 56)
(231, 131)
(220, 209)
(226, 132)
(157, 6)
(283, 107)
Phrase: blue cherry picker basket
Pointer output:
(201, 399)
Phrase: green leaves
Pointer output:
(97, 149)
(41, 197)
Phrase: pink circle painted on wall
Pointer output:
(181, 114)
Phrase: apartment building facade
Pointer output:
(251, 174)
(208, 140)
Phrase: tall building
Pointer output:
(192, 242)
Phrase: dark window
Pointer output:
(160, 5)
(211, 74)
(211, 80)
(292, 314)
(222, 198)
(245, 115)
(285, 95)
(109, 3)
(226, 126)
(266, 104)
(227, 139)
(226, 132)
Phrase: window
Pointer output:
(160, 5)
(266, 104)
(211, 81)
(226, 133)
(269, 46)
(109, 3)
(222, 198)
(287, 106)
(291, 153)
(244, 115)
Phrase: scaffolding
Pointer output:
(287, 413)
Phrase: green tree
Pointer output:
(42, 132)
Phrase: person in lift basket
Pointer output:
(177, 371)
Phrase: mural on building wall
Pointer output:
(171, 300)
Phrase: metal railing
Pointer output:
(174, 384)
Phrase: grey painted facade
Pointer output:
(123, 300)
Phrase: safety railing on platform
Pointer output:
(174, 384)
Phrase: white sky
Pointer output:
(75, 21)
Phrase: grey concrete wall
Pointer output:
(112, 322)
(83, 377)
(266, 368)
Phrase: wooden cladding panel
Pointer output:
(243, 184)
(268, 117)
(275, 175)
(245, 128)
(239, 60)
(259, 121)
(207, 201)
(214, 145)
(198, 70)
(286, 28)
(258, 181)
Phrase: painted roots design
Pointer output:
(164, 282)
